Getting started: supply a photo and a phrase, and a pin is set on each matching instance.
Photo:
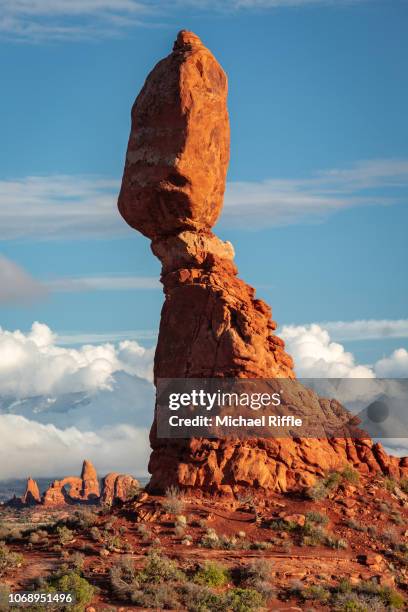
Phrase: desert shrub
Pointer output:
(96, 534)
(201, 599)
(113, 542)
(212, 574)
(15, 535)
(75, 562)
(64, 535)
(262, 545)
(157, 597)
(384, 506)
(338, 543)
(8, 560)
(258, 570)
(367, 596)
(123, 578)
(84, 519)
(78, 585)
(324, 487)
(4, 597)
(404, 485)
(38, 537)
(210, 539)
(397, 518)
(390, 484)
(390, 536)
(160, 569)
(350, 475)
(179, 531)
(129, 584)
(180, 521)
(187, 539)
(356, 525)
(317, 517)
(316, 592)
(352, 602)
(281, 525)
(174, 501)
(144, 533)
(243, 600)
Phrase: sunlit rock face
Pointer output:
(212, 325)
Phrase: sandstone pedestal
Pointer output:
(212, 325)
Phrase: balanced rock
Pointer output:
(32, 493)
(178, 150)
(212, 325)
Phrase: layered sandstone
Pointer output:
(212, 325)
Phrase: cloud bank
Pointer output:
(33, 364)
(60, 404)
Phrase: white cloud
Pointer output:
(277, 202)
(31, 448)
(103, 283)
(316, 356)
(366, 329)
(49, 207)
(34, 20)
(396, 365)
(16, 285)
(33, 364)
(77, 207)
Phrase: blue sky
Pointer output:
(318, 98)
(316, 205)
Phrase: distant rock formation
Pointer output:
(32, 493)
(212, 325)
(84, 489)
(118, 487)
(72, 489)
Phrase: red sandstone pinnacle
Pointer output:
(178, 150)
(212, 325)
(32, 493)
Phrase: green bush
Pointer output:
(74, 583)
(350, 475)
(157, 597)
(212, 574)
(243, 600)
(201, 599)
(65, 535)
(8, 560)
(317, 517)
(316, 593)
